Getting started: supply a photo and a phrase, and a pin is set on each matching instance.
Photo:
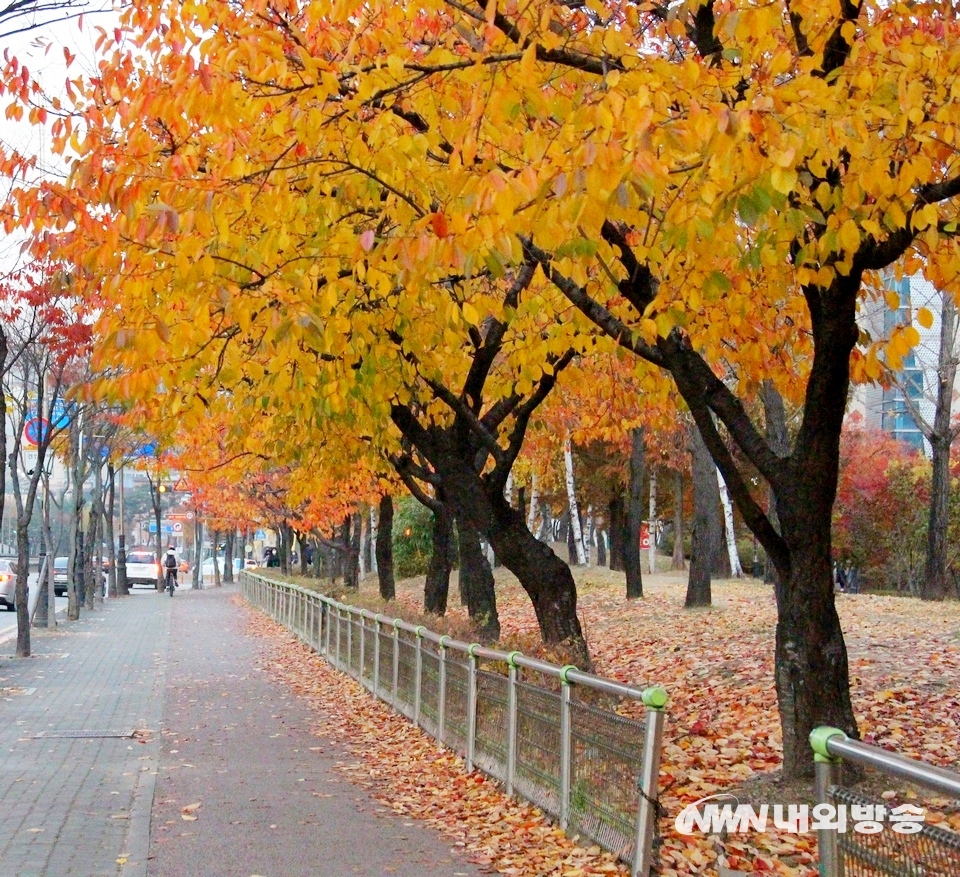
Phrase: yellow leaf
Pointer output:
(849, 236)
(924, 317)
(470, 314)
(783, 179)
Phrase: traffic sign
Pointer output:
(260, 535)
(36, 429)
(60, 414)
(177, 527)
(181, 485)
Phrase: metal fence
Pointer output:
(851, 834)
(548, 733)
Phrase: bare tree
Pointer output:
(941, 432)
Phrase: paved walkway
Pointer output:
(81, 797)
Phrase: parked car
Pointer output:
(8, 582)
(60, 577)
(206, 568)
(142, 568)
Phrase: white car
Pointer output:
(206, 568)
(142, 568)
(8, 582)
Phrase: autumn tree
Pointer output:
(710, 184)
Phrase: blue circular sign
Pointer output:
(36, 430)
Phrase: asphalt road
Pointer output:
(8, 620)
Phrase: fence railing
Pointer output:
(548, 733)
(851, 835)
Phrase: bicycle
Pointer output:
(171, 580)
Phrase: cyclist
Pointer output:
(171, 564)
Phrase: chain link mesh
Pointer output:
(386, 663)
(455, 703)
(537, 771)
(605, 748)
(931, 852)
(490, 748)
(605, 761)
(369, 638)
(406, 676)
(353, 638)
(429, 688)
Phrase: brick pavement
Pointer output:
(79, 807)
(215, 731)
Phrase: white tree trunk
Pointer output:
(572, 502)
(363, 552)
(373, 541)
(508, 490)
(534, 496)
(735, 569)
(589, 536)
(652, 525)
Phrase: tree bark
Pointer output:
(634, 517)
(351, 566)
(935, 580)
(730, 536)
(678, 562)
(618, 530)
(476, 583)
(707, 527)
(652, 518)
(941, 435)
(384, 549)
(437, 585)
(230, 541)
(579, 548)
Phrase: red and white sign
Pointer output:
(644, 536)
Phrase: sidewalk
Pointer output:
(210, 729)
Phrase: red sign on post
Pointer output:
(644, 536)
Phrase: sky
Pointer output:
(40, 49)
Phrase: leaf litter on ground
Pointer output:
(722, 732)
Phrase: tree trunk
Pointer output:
(351, 559)
(811, 671)
(634, 517)
(437, 585)
(707, 526)
(730, 536)
(579, 548)
(941, 435)
(230, 542)
(678, 563)
(197, 583)
(618, 530)
(534, 500)
(215, 540)
(384, 549)
(601, 547)
(652, 518)
(108, 532)
(775, 419)
(935, 580)
(477, 590)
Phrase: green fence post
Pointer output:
(826, 775)
(565, 746)
(655, 699)
(512, 721)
